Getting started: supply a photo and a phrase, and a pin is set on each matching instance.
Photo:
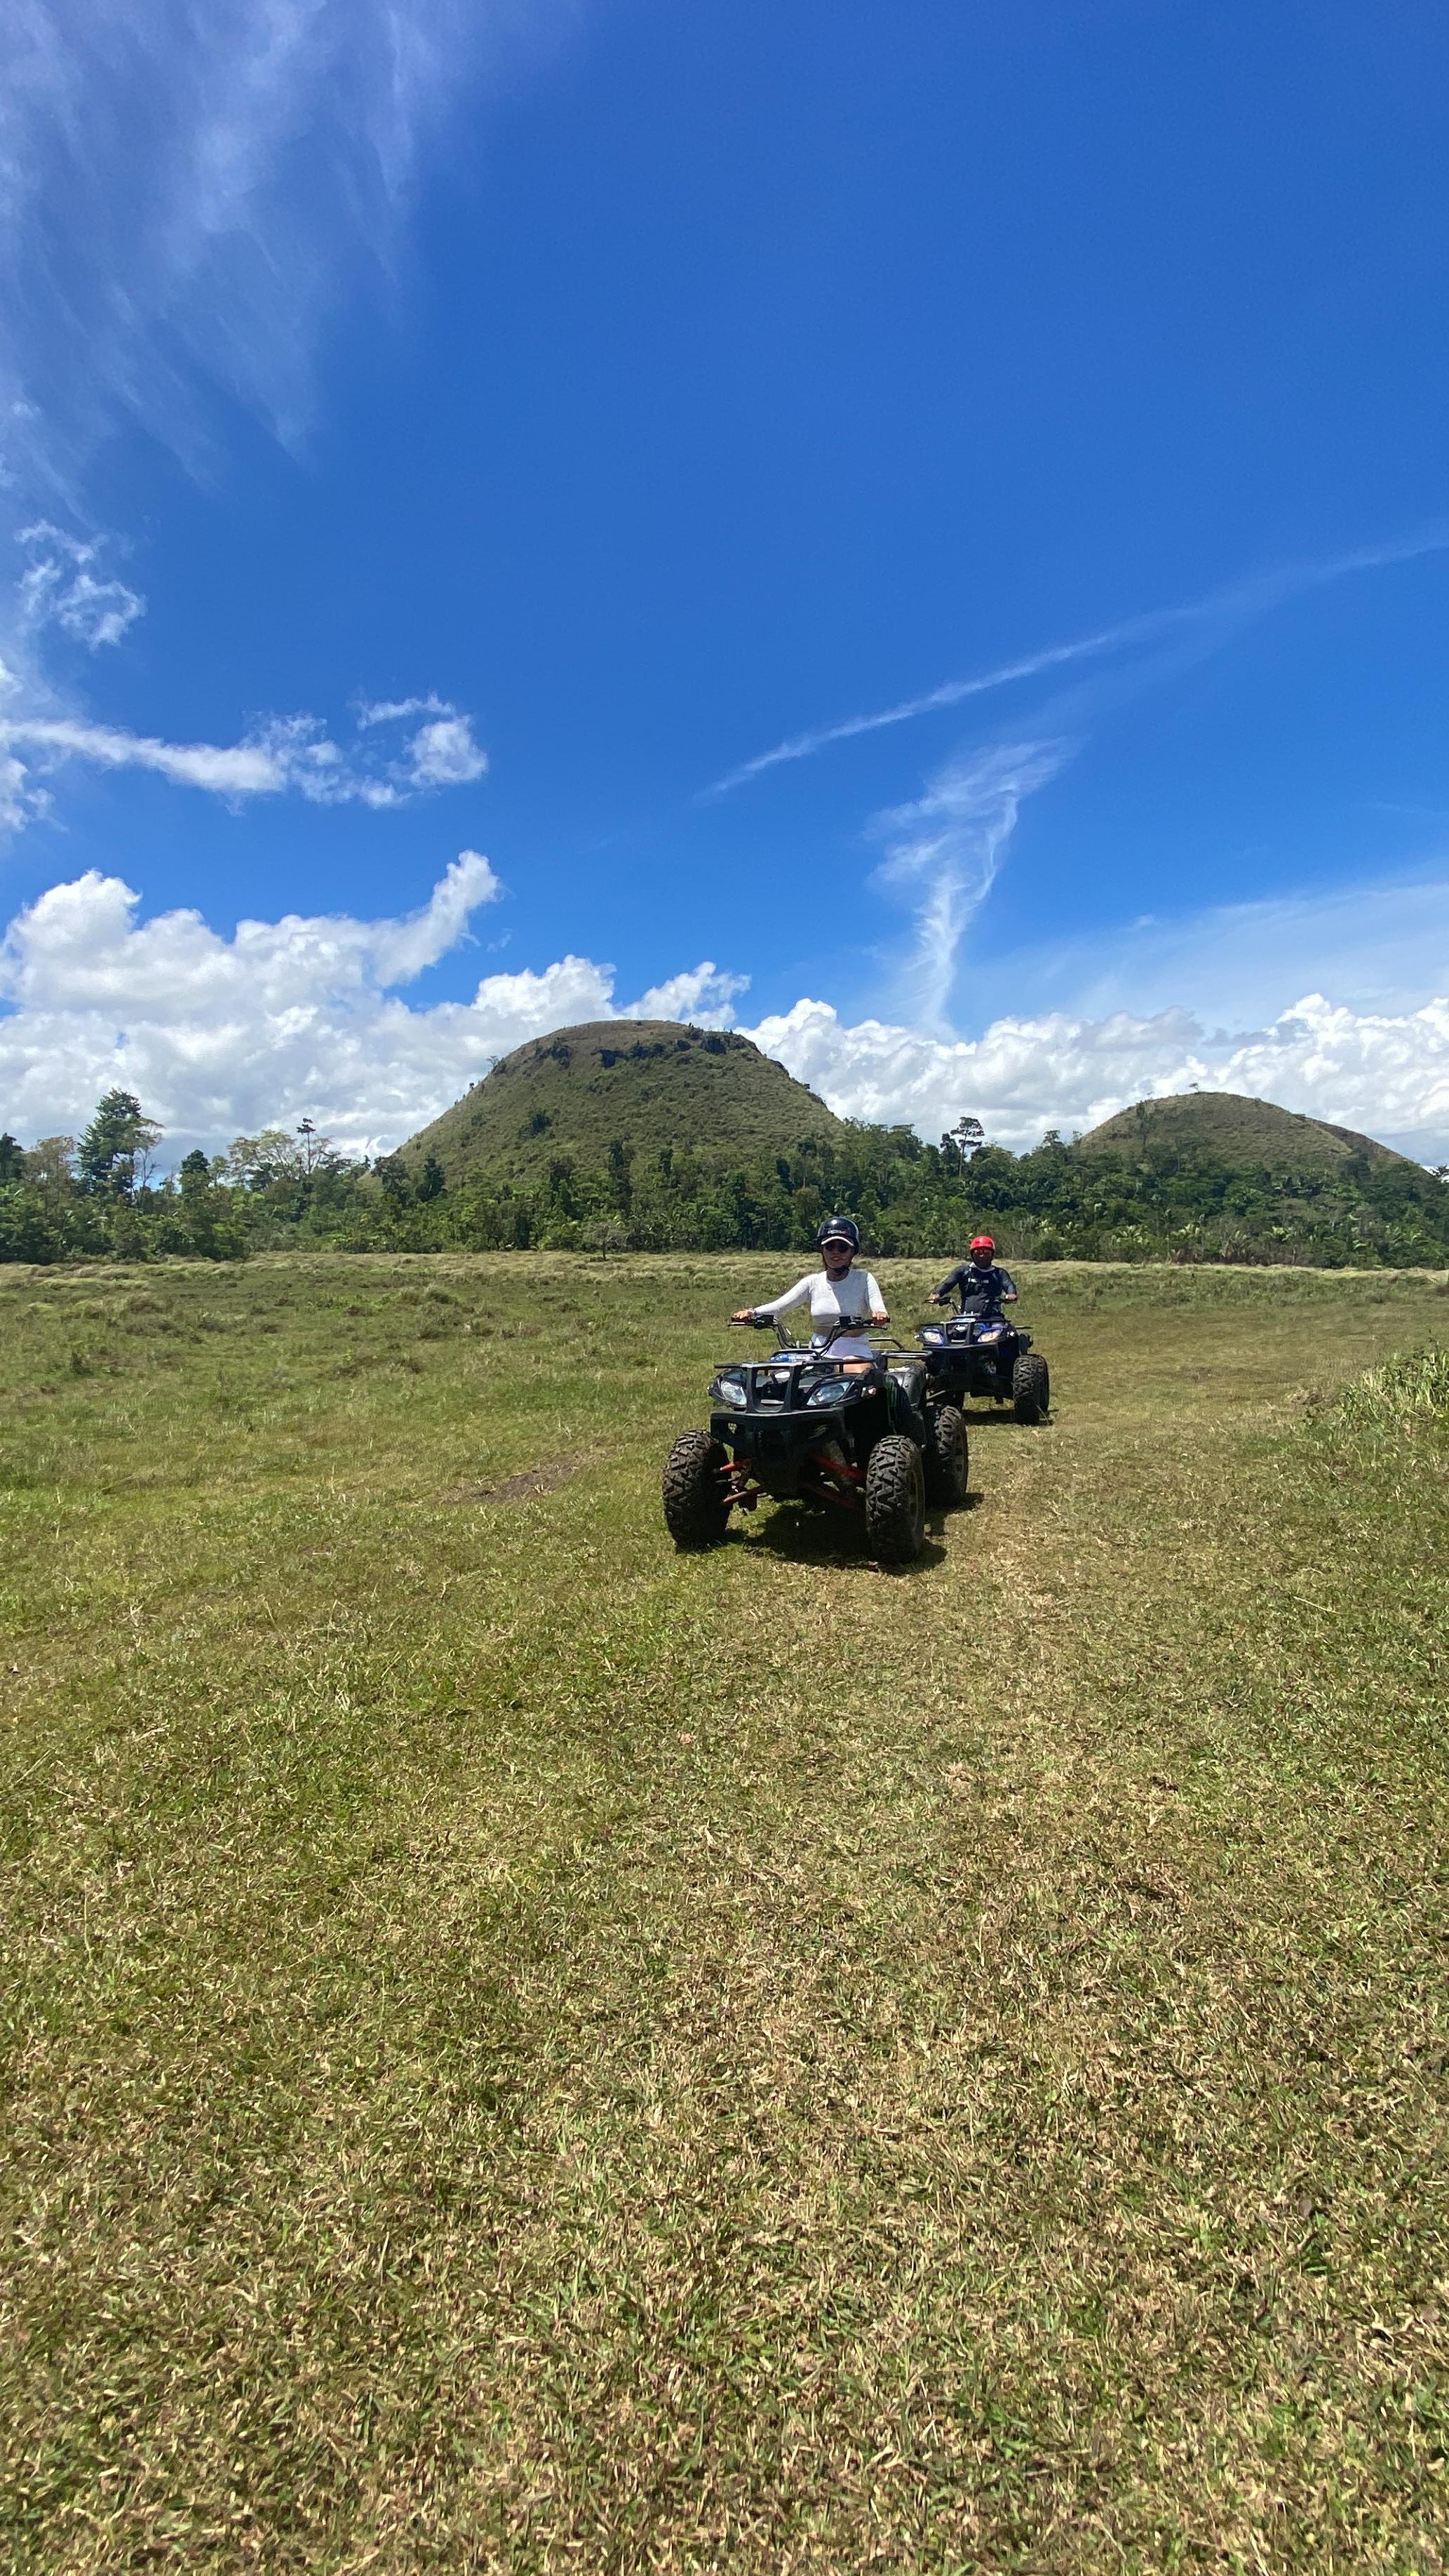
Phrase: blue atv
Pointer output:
(985, 1357)
(870, 1437)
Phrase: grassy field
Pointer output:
(528, 2053)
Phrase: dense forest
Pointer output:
(98, 1195)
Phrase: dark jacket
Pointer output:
(980, 1291)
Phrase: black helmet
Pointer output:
(842, 1229)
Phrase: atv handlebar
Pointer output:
(852, 1324)
(831, 1332)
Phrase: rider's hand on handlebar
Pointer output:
(880, 1319)
(746, 1315)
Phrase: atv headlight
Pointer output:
(729, 1390)
(832, 1390)
(933, 1334)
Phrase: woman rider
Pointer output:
(832, 1291)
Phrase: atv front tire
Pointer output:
(895, 1500)
(1031, 1388)
(947, 1456)
(696, 1513)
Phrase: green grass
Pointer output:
(1408, 1393)
(527, 2053)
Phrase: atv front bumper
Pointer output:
(960, 1368)
(773, 1446)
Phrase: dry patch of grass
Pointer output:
(545, 1478)
(525, 2052)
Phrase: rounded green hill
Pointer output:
(644, 1084)
(1229, 1127)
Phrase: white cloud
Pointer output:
(444, 754)
(80, 947)
(222, 1035)
(399, 950)
(289, 754)
(19, 800)
(257, 768)
(702, 995)
(383, 765)
(396, 710)
(1386, 1073)
(59, 588)
(188, 186)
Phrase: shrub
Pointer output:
(1409, 1394)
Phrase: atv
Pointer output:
(983, 1355)
(869, 1437)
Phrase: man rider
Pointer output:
(982, 1286)
(833, 1290)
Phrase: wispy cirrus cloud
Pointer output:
(943, 851)
(61, 587)
(1250, 596)
(187, 187)
(378, 711)
(945, 847)
(185, 191)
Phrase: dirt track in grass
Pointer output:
(526, 2052)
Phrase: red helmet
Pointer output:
(982, 1243)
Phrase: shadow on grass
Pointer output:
(805, 1538)
(1005, 1420)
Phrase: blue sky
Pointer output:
(618, 393)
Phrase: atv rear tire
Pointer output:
(696, 1513)
(947, 1455)
(1031, 1388)
(895, 1500)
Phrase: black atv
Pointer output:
(984, 1356)
(853, 1435)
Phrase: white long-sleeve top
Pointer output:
(857, 1294)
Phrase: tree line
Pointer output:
(99, 1195)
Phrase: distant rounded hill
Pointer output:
(1228, 1127)
(643, 1083)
